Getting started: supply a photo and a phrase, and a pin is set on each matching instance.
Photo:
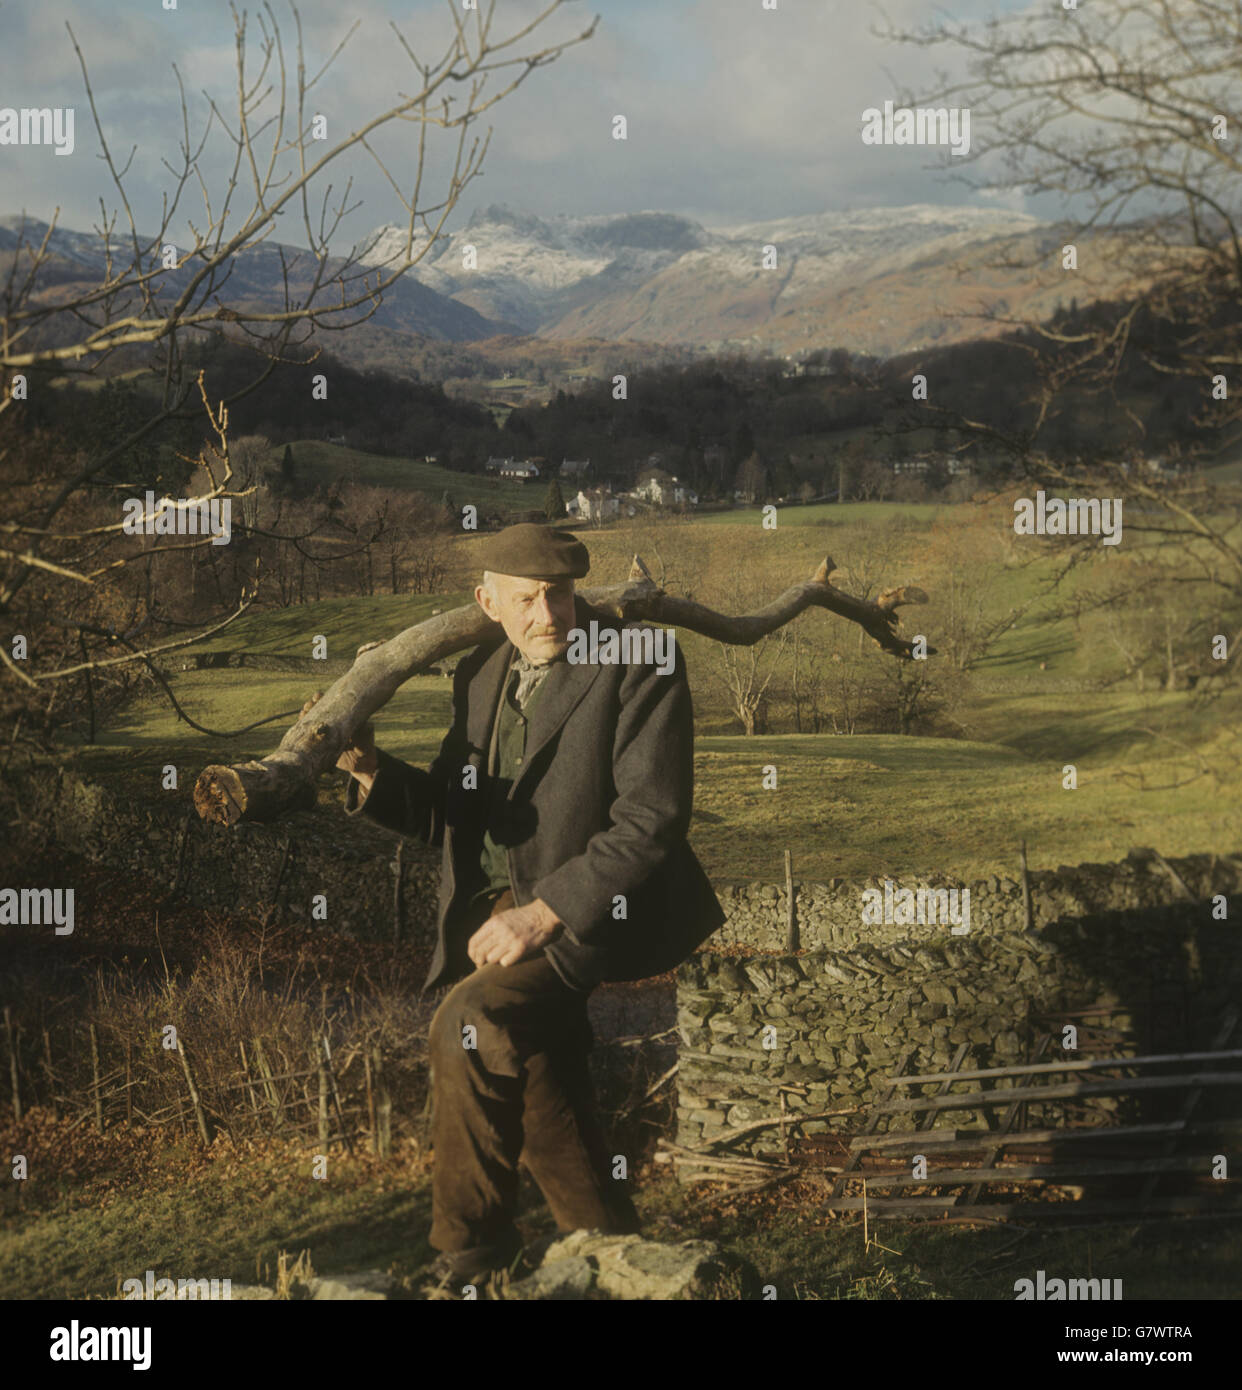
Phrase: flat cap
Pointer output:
(531, 551)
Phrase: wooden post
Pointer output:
(383, 1104)
(336, 1098)
(791, 921)
(51, 1075)
(784, 1113)
(323, 1094)
(13, 1076)
(1028, 916)
(366, 1071)
(99, 1118)
(204, 1130)
(396, 896)
(247, 1078)
(269, 1086)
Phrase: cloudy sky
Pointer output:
(735, 112)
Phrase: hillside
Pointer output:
(321, 464)
(883, 280)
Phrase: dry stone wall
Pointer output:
(828, 1024)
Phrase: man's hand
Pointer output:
(359, 758)
(512, 935)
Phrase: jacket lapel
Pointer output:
(566, 685)
(485, 691)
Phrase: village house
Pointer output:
(524, 470)
(594, 504)
(664, 489)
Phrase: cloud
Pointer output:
(735, 112)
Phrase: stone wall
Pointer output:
(832, 1022)
(829, 915)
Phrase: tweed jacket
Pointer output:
(595, 822)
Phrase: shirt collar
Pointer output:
(523, 663)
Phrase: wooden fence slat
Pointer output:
(246, 1078)
(383, 1103)
(336, 1097)
(870, 1128)
(1046, 1172)
(200, 1117)
(269, 1089)
(1034, 1211)
(1095, 1064)
(968, 1138)
(1192, 1097)
(366, 1071)
(1006, 1124)
(323, 1096)
(958, 1057)
(99, 1116)
(976, 1100)
(50, 1073)
(10, 1034)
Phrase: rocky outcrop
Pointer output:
(583, 1264)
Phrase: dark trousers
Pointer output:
(511, 1083)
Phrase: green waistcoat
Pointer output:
(509, 735)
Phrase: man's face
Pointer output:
(536, 614)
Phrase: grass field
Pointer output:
(846, 806)
(132, 1205)
(346, 622)
(826, 514)
(322, 464)
(1156, 768)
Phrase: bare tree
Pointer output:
(746, 673)
(65, 561)
(1121, 110)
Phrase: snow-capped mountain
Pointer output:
(666, 278)
(881, 280)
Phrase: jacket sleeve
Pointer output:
(407, 799)
(653, 774)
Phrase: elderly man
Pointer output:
(562, 798)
